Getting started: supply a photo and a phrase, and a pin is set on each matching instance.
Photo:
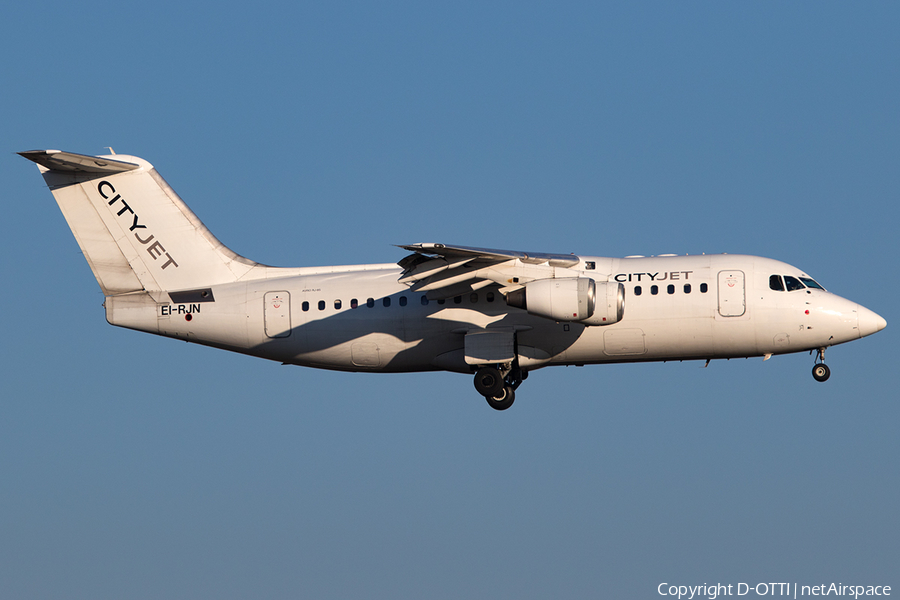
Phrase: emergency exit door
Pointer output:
(732, 301)
(278, 314)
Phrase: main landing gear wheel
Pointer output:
(821, 372)
(489, 383)
(503, 400)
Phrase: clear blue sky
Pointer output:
(322, 133)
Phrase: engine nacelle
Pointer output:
(609, 304)
(578, 299)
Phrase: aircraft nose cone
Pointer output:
(869, 322)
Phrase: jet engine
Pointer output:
(578, 299)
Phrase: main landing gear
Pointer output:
(499, 386)
(820, 370)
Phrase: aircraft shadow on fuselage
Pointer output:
(431, 329)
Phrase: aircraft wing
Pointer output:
(443, 271)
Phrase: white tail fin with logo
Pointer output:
(134, 230)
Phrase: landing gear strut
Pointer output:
(820, 370)
(499, 388)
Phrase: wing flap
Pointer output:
(554, 260)
(443, 271)
(430, 268)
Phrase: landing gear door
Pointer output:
(732, 301)
(490, 347)
(278, 314)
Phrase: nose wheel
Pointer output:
(820, 370)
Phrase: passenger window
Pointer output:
(370, 302)
(792, 283)
(337, 305)
(704, 288)
(402, 300)
(687, 288)
(321, 305)
(473, 298)
(457, 300)
(637, 290)
(354, 303)
(671, 289)
(811, 283)
(654, 289)
(489, 296)
(424, 300)
(305, 306)
(441, 301)
(386, 302)
(775, 283)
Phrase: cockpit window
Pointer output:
(775, 283)
(792, 283)
(811, 283)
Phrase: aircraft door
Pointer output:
(278, 314)
(731, 294)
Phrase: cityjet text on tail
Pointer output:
(496, 315)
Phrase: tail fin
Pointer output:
(134, 230)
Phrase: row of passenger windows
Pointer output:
(402, 301)
(670, 289)
(776, 282)
(787, 283)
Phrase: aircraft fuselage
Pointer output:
(359, 318)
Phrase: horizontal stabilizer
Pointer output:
(57, 160)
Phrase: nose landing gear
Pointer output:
(498, 388)
(820, 370)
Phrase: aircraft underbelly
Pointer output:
(638, 340)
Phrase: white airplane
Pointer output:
(496, 314)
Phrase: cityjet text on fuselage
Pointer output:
(155, 249)
(658, 276)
